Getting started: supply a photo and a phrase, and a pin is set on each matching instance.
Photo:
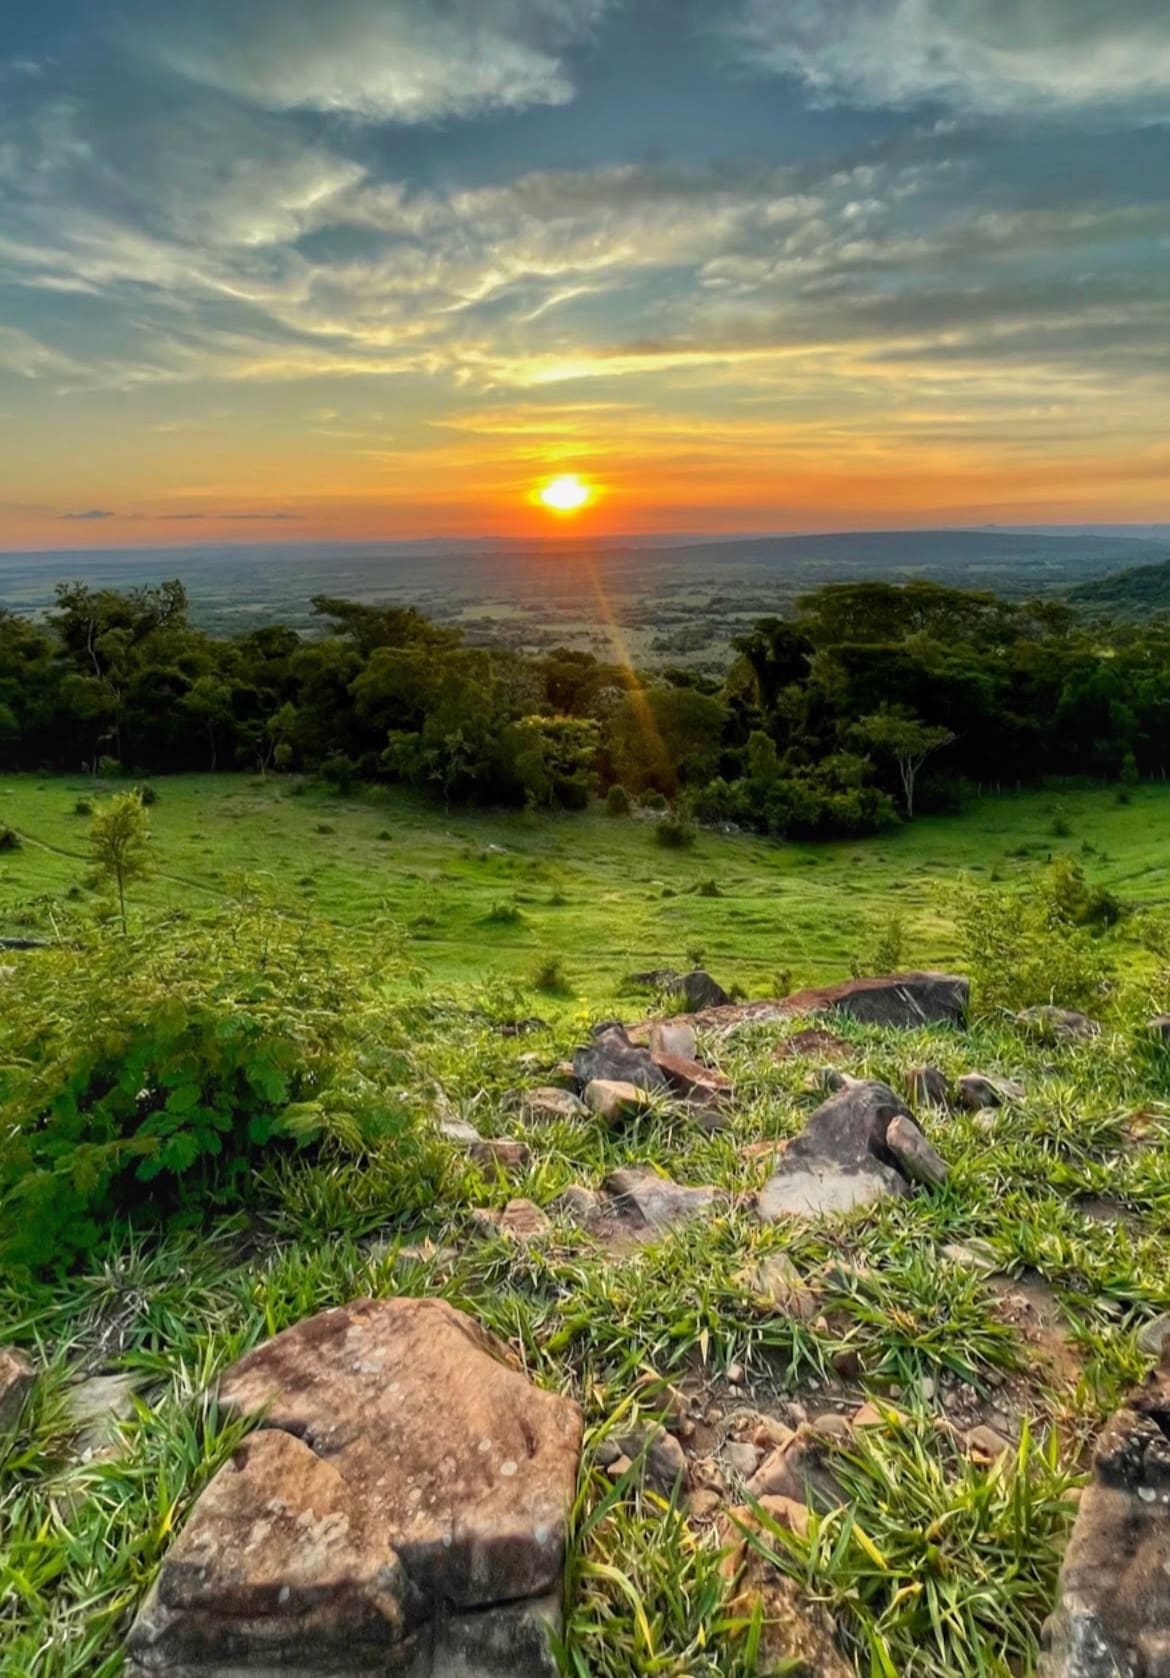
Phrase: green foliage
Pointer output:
(676, 831)
(1027, 947)
(9, 839)
(147, 1074)
(550, 977)
(119, 838)
(617, 801)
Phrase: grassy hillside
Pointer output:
(477, 897)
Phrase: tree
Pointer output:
(119, 842)
(908, 740)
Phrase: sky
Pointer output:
(380, 268)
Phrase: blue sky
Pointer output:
(378, 266)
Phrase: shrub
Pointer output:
(1021, 949)
(83, 807)
(676, 831)
(340, 773)
(10, 840)
(150, 1074)
(503, 914)
(550, 977)
(654, 801)
(617, 801)
(147, 795)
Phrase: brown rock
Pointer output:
(874, 1415)
(703, 1505)
(928, 1087)
(986, 1445)
(550, 1105)
(691, 1079)
(520, 1219)
(406, 1500)
(660, 1459)
(797, 1471)
(17, 1379)
(500, 1154)
(674, 1038)
(614, 1100)
(653, 1201)
(812, 1042)
(778, 1285)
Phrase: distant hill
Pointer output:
(1134, 593)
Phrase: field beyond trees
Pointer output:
(469, 896)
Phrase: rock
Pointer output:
(658, 1456)
(579, 1203)
(613, 1058)
(875, 1415)
(736, 1374)
(846, 1363)
(742, 1459)
(614, 1100)
(658, 1202)
(17, 1378)
(500, 1154)
(1154, 1336)
(1160, 1028)
(777, 1283)
(692, 1079)
(617, 1466)
(831, 1425)
(902, 999)
(978, 1091)
(675, 1038)
(796, 1633)
(796, 1470)
(94, 1410)
(403, 1505)
(520, 1219)
(984, 1444)
(915, 1157)
(550, 1105)
(841, 1159)
(1113, 1601)
(703, 1505)
(928, 1087)
(1054, 1025)
(699, 990)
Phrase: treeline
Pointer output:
(872, 701)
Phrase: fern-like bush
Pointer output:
(150, 1075)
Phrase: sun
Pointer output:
(566, 494)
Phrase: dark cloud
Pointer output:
(91, 513)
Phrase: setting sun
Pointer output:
(566, 494)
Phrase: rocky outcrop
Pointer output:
(403, 1508)
(846, 1157)
(612, 1058)
(1113, 1608)
(905, 1000)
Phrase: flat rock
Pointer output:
(692, 1079)
(613, 1058)
(842, 1160)
(17, 1378)
(95, 1408)
(550, 1105)
(500, 1153)
(403, 1507)
(657, 1202)
(907, 1000)
(615, 1099)
(673, 1037)
(521, 1219)
(1113, 1602)
(1053, 1025)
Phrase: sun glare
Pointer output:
(566, 494)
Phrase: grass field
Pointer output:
(938, 1565)
(483, 896)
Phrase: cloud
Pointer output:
(406, 61)
(992, 56)
(91, 513)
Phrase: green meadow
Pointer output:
(475, 896)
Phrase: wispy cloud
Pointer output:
(976, 55)
(91, 513)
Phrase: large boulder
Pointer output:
(844, 1158)
(403, 1508)
(1113, 1608)
(612, 1058)
(901, 999)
